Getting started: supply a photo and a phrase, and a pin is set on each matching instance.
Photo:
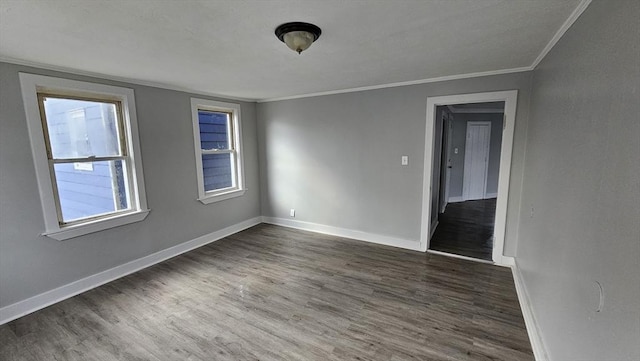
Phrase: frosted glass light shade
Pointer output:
(298, 40)
(298, 36)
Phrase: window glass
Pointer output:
(214, 129)
(86, 131)
(97, 189)
(217, 171)
(81, 128)
(215, 135)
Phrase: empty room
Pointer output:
(320, 180)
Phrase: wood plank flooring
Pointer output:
(272, 293)
(466, 229)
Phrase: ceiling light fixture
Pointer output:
(298, 36)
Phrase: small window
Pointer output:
(84, 142)
(217, 135)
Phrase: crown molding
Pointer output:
(563, 29)
(266, 100)
(63, 69)
(401, 84)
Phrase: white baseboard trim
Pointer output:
(533, 330)
(32, 304)
(453, 255)
(506, 261)
(434, 225)
(345, 233)
(490, 195)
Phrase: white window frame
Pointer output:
(236, 132)
(33, 84)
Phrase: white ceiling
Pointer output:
(228, 47)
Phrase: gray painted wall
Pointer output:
(581, 194)
(336, 158)
(458, 140)
(31, 264)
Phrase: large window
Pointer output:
(84, 142)
(217, 135)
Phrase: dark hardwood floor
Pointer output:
(466, 229)
(272, 293)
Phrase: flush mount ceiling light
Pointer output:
(298, 36)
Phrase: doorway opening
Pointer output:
(469, 140)
(466, 165)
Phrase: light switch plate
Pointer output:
(405, 160)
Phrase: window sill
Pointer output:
(98, 225)
(222, 196)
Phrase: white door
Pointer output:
(476, 160)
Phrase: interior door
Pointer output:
(476, 160)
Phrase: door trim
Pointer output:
(467, 164)
(445, 170)
(510, 98)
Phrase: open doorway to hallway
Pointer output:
(466, 168)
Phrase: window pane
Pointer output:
(92, 188)
(216, 170)
(214, 129)
(80, 128)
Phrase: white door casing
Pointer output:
(510, 98)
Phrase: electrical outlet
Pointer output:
(292, 212)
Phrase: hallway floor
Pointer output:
(466, 229)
